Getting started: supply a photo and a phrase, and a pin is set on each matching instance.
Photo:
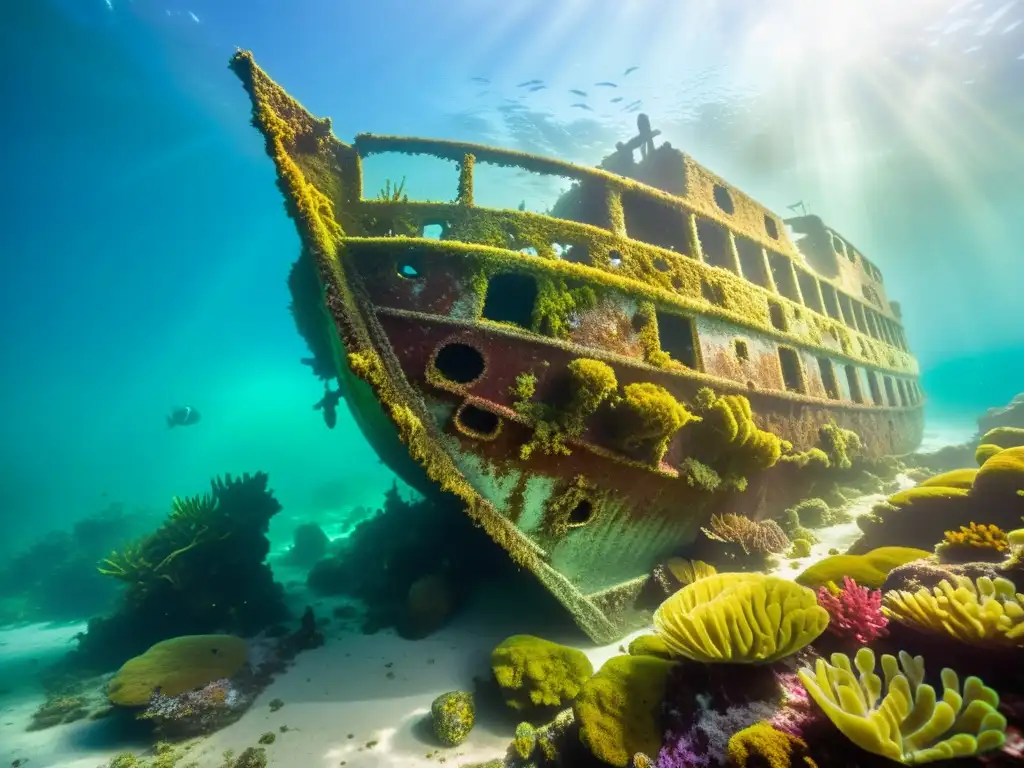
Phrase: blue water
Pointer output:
(145, 246)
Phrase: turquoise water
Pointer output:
(145, 247)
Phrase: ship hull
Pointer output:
(431, 340)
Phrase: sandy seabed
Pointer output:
(361, 701)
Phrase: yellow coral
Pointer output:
(734, 446)
(986, 611)
(175, 666)
(908, 725)
(740, 618)
(657, 416)
(763, 745)
(977, 536)
(592, 382)
(688, 571)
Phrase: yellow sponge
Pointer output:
(909, 724)
(740, 618)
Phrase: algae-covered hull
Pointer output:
(544, 369)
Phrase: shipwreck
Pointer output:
(594, 383)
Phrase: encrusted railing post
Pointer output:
(616, 218)
(465, 196)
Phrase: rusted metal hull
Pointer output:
(429, 337)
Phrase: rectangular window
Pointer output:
(828, 377)
(792, 373)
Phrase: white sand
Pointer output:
(331, 692)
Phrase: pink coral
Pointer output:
(855, 612)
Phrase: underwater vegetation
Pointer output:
(201, 571)
(412, 565)
(55, 579)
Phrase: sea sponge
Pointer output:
(973, 543)
(907, 725)
(763, 746)
(958, 478)
(868, 570)
(840, 445)
(1004, 437)
(533, 672)
(688, 571)
(1002, 477)
(619, 708)
(654, 418)
(984, 452)
(649, 645)
(740, 618)
(801, 548)
(979, 612)
(453, 716)
(811, 513)
(591, 383)
(175, 666)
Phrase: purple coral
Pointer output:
(855, 612)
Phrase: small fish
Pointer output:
(583, 106)
(630, 69)
(538, 88)
(617, 99)
(329, 405)
(482, 93)
(632, 104)
(606, 84)
(183, 417)
(578, 92)
(483, 80)
(529, 82)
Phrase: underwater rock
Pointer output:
(175, 666)
(534, 673)
(619, 708)
(309, 545)
(428, 607)
(453, 715)
(1010, 415)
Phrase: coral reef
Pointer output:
(201, 571)
(901, 717)
(753, 537)
(739, 618)
(855, 612)
(536, 673)
(452, 716)
(920, 516)
(412, 564)
(309, 544)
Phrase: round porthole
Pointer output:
(459, 362)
